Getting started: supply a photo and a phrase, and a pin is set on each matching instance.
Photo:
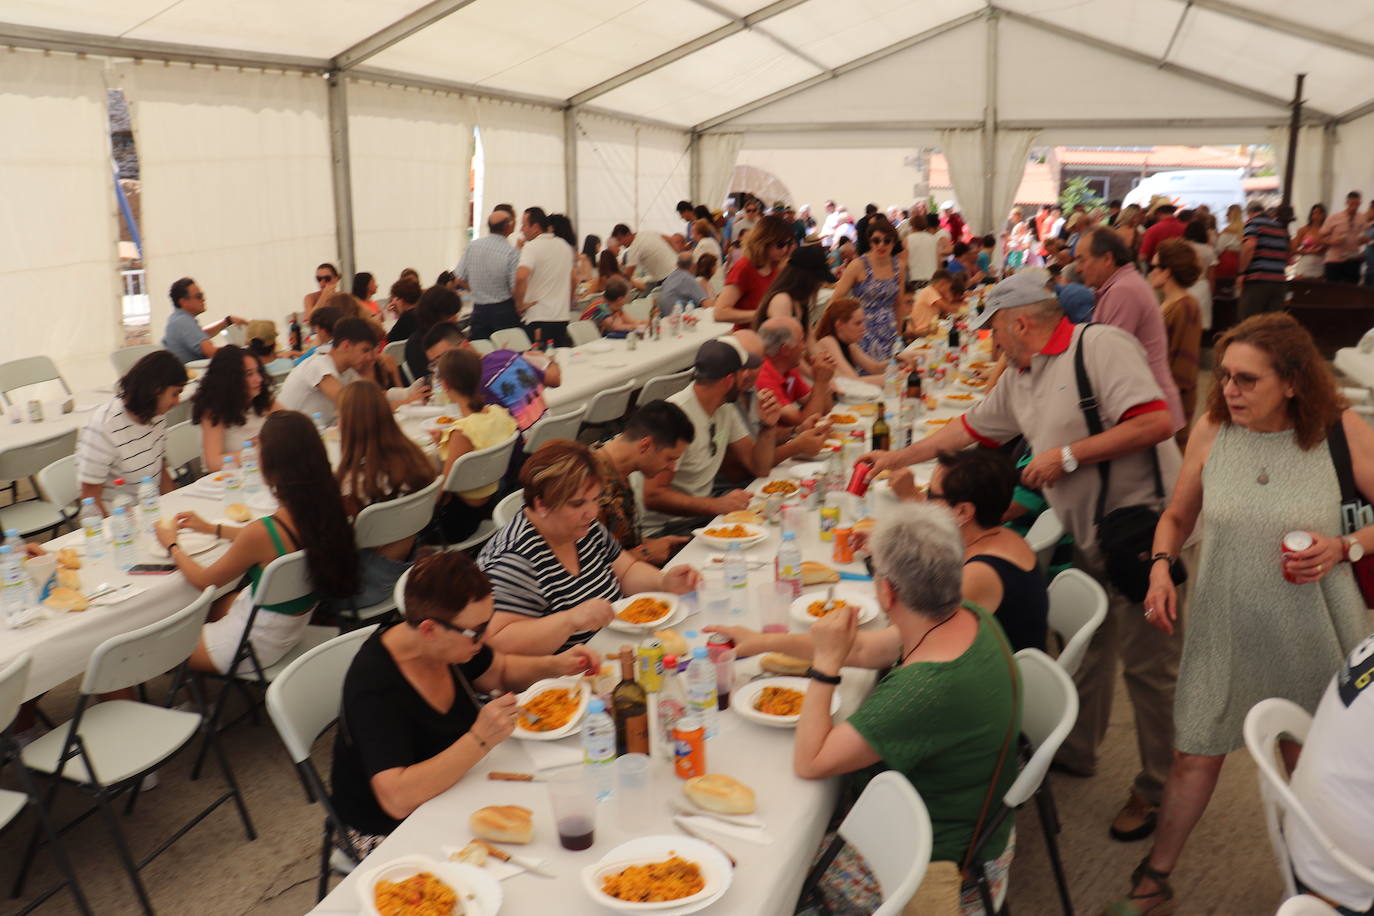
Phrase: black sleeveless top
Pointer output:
(1025, 607)
(848, 357)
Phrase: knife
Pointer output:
(696, 835)
(528, 865)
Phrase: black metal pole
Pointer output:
(1294, 123)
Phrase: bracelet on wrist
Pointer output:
(478, 738)
(1163, 556)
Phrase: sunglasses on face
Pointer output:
(1244, 380)
(474, 634)
(323, 279)
(880, 240)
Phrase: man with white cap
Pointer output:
(1040, 401)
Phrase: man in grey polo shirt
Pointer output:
(183, 335)
(1038, 398)
(488, 270)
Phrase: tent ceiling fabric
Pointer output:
(556, 49)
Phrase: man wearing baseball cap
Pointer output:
(1037, 397)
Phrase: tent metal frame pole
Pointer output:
(42, 39)
(1328, 174)
(1289, 26)
(398, 31)
(341, 170)
(990, 122)
(1294, 127)
(694, 167)
(570, 162)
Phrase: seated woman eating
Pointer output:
(478, 425)
(410, 724)
(554, 568)
(231, 405)
(310, 516)
(839, 332)
(608, 312)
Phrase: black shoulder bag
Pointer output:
(1355, 512)
(1125, 536)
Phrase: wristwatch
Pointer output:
(815, 675)
(1067, 461)
(1354, 550)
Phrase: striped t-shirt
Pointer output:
(1271, 250)
(527, 579)
(113, 443)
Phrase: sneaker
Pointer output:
(1136, 820)
(148, 783)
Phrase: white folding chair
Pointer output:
(302, 702)
(662, 387)
(511, 339)
(386, 523)
(21, 462)
(124, 358)
(30, 370)
(608, 406)
(1043, 537)
(638, 308)
(478, 469)
(1049, 709)
(583, 332)
(890, 827)
(180, 413)
(182, 451)
(109, 747)
(1078, 605)
(12, 679)
(57, 482)
(1306, 905)
(506, 509)
(1265, 723)
(551, 426)
(482, 345)
(397, 351)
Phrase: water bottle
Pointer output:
(675, 320)
(788, 569)
(14, 592)
(14, 542)
(122, 535)
(252, 477)
(150, 501)
(598, 748)
(92, 524)
(701, 689)
(736, 578)
(672, 706)
(319, 422)
(121, 495)
(233, 483)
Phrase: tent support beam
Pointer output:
(341, 170)
(23, 36)
(1355, 114)
(398, 31)
(990, 121)
(570, 162)
(1328, 173)
(1290, 26)
(781, 43)
(694, 167)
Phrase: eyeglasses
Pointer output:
(1244, 380)
(784, 244)
(714, 447)
(879, 240)
(931, 494)
(324, 279)
(474, 634)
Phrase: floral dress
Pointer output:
(879, 298)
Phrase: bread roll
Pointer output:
(777, 663)
(673, 642)
(238, 512)
(69, 578)
(68, 558)
(474, 853)
(743, 517)
(503, 824)
(864, 525)
(814, 573)
(720, 793)
(66, 599)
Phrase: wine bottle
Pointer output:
(630, 709)
(882, 433)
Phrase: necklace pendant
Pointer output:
(1263, 478)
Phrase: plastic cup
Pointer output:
(632, 798)
(775, 606)
(574, 808)
(712, 594)
(724, 660)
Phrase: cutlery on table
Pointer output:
(687, 810)
(501, 776)
(515, 859)
(696, 835)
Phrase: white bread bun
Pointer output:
(720, 793)
(673, 642)
(474, 853)
(742, 517)
(66, 599)
(814, 573)
(68, 558)
(69, 578)
(503, 824)
(238, 512)
(777, 663)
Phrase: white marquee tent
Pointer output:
(275, 135)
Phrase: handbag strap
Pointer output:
(1354, 513)
(976, 842)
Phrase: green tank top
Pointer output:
(301, 605)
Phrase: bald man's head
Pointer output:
(779, 335)
(500, 223)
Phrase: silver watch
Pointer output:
(1067, 460)
(1354, 550)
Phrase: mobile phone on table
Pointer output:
(152, 569)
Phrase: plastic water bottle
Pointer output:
(14, 542)
(598, 748)
(93, 525)
(736, 578)
(788, 565)
(122, 535)
(14, 592)
(233, 482)
(701, 689)
(252, 477)
(149, 500)
(319, 422)
(121, 495)
(672, 706)
(675, 320)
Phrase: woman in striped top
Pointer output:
(554, 568)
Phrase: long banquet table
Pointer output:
(608, 363)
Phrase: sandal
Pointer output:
(1131, 904)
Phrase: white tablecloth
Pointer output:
(588, 371)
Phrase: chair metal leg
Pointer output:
(133, 797)
(59, 854)
(31, 849)
(125, 858)
(1045, 807)
(985, 890)
(210, 724)
(326, 848)
(233, 786)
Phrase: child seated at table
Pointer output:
(608, 312)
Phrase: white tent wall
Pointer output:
(410, 160)
(850, 177)
(236, 184)
(1307, 176)
(58, 276)
(663, 178)
(716, 157)
(1353, 162)
(523, 152)
(629, 173)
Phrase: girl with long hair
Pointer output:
(364, 288)
(1308, 246)
(839, 332)
(766, 248)
(231, 404)
(309, 516)
(479, 425)
(792, 294)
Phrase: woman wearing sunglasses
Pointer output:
(410, 721)
(327, 279)
(878, 280)
(767, 247)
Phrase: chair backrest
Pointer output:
(1265, 723)
(30, 370)
(13, 675)
(554, 426)
(143, 654)
(583, 332)
(397, 351)
(481, 467)
(1044, 535)
(1078, 605)
(285, 579)
(661, 387)
(1049, 709)
(183, 445)
(1306, 905)
(303, 700)
(890, 828)
(20, 461)
(124, 358)
(505, 510)
(609, 405)
(482, 345)
(57, 482)
(395, 519)
(638, 308)
(180, 413)
(511, 339)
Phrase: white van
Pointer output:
(1191, 188)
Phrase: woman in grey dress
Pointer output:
(1259, 625)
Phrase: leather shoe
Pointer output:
(1136, 820)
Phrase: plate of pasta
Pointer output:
(722, 535)
(809, 608)
(552, 708)
(775, 701)
(644, 613)
(663, 874)
(420, 886)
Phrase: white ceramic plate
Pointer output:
(479, 893)
(789, 493)
(807, 469)
(572, 725)
(844, 428)
(868, 608)
(756, 534)
(715, 870)
(191, 542)
(433, 425)
(422, 410)
(959, 400)
(742, 700)
(624, 626)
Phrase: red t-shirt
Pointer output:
(1169, 227)
(788, 388)
(752, 285)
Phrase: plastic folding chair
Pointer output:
(639, 308)
(554, 426)
(1078, 605)
(386, 523)
(1043, 537)
(30, 370)
(583, 332)
(303, 702)
(1265, 723)
(662, 387)
(890, 827)
(109, 747)
(183, 451)
(57, 482)
(397, 351)
(12, 679)
(124, 358)
(1306, 905)
(478, 469)
(507, 508)
(482, 345)
(22, 462)
(511, 339)
(606, 408)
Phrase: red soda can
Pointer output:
(844, 545)
(1294, 542)
(689, 747)
(717, 643)
(858, 480)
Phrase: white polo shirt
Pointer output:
(300, 391)
(550, 260)
(652, 256)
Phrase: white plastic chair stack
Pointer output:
(1078, 605)
(1044, 535)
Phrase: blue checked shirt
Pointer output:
(488, 267)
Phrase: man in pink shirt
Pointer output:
(1125, 300)
(1343, 233)
(1167, 227)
